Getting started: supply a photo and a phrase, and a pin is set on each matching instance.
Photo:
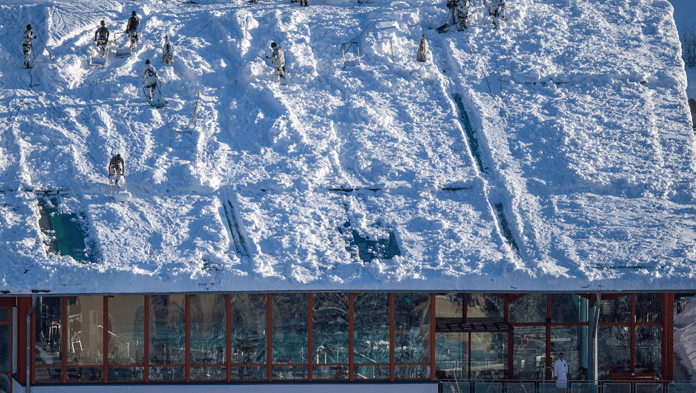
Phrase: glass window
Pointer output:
(5, 383)
(485, 308)
(567, 307)
(616, 310)
(449, 308)
(208, 330)
(5, 348)
(615, 352)
(371, 331)
(489, 355)
(451, 354)
(529, 352)
(290, 320)
(649, 349)
(167, 335)
(330, 322)
(126, 335)
(248, 338)
(571, 341)
(4, 315)
(412, 328)
(529, 308)
(648, 307)
(85, 334)
(48, 332)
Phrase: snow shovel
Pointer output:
(444, 28)
(50, 55)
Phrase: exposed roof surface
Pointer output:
(554, 153)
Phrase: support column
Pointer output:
(668, 336)
(593, 358)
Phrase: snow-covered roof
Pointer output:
(553, 153)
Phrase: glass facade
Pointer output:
(215, 337)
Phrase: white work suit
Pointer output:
(560, 370)
(27, 45)
(150, 80)
(278, 59)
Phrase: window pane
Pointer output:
(85, 374)
(290, 319)
(208, 329)
(5, 384)
(248, 373)
(648, 307)
(330, 372)
(614, 356)
(371, 329)
(412, 372)
(649, 349)
(85, 334)
(288, 372)
(572, 342)
(451, 354)
(529, 352)
(567, 307)
(449, 308)
(485, 308)
(5, 348)
(126, 374)
(412, 328)
(48, 375)
(330, 322)
(126, 331)
(370, 372)
(529, 308)
(167, 373)
(489, 355)
(48, 332)
(4, 315)
(208, 373)
(167, 334)
(248, 337)
(616, 310)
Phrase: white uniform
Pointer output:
(149, 78)
(167, 52)
(560, 370)
(278, 59)
(27, 45)
(463, 13)
(422, 50)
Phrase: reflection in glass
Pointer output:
(208, 373)
(126, 330)
(411, 372)
(529, 308)
(248, 339)
(569, 341)
(48, 375)
(616, 310)
(489, 355)
(5, 348)
(167, 373)
(85, 374)
(48, 332)
(248, 373)
(289, 333)
(615, 354)
(451, 354)
(449, 308)
(330, 372)
(208, 329)
(529, 352)
(4, 315)
(126, 374)
(289, 372)
(485, 308)
(85, 335)
(568, 307)
(371, 330)
(330, 323)
(412, 328)
(648, 307)
(370, 372)
(649, 349)
(167, 334)
(5, 384)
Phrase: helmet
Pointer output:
(29, 27)
(103, 23)
(147, 61)
(133, 13)
(273, 44)
(118, 155)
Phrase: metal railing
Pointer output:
(608, 386)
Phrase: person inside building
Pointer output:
(102, 38)
(560, 370)
(132, 29)
(28, 45)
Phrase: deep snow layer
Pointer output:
(578, 110)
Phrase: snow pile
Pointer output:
(554, 152)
